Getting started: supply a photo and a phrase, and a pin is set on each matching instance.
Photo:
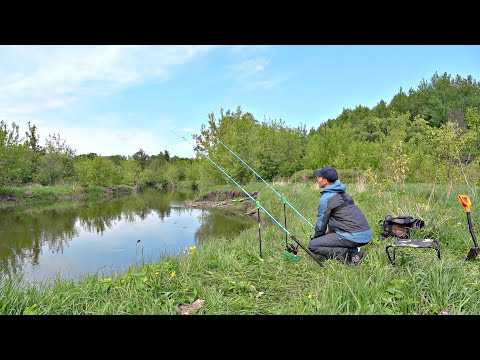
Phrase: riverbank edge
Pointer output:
(233, 201)
(16, 197)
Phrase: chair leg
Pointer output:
(437, 248)
(392, 256)
(392, 260)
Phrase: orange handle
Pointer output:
(465, 201)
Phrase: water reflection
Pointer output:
(75, 238)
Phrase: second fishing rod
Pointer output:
(283, 197)
(259, 206)
(299, 244)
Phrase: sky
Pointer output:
(118, 99)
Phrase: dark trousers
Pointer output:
(332, 246)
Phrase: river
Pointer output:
(74, 238)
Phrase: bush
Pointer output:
(349, 175)
(303, 176)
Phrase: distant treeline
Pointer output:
(431, 134)
(24, 162)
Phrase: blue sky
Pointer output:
(119, 99)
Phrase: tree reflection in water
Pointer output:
(28, 235)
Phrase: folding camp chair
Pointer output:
(412, 243)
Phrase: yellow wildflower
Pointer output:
(172, 274)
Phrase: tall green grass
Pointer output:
(232, 279)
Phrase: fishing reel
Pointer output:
(292, 249)
(291, 252)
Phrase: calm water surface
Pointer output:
(76, 238)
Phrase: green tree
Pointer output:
(166, 155)
(55, 168)
(9, 137)
(237, 130)
(142, 158)
(449, 143)
(56, 161)
(396, 161)
(154, 174)
(15, 165)
(98, 171)
(33, 139)
(88, 156)
(473, 121)
(370, 129)
(419, 151)
(400, 103)
(381, 110)
(55, 144)
(130, 172)
(473, 118)
(117, 159)
(171, 174)
(441, 99)
(331, 146)
(16, 161)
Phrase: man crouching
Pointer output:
(341, 227)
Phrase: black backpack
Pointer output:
(399, 226)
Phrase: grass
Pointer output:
(232, 279)
(26, 195)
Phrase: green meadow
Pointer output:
(230, 276)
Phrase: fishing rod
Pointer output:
(289, 247)
(283, 197)
(259, 206)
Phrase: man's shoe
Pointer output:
(357, 258)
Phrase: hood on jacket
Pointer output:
(336, 187)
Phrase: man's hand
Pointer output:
(318, 234)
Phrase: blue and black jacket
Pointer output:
(337, 210)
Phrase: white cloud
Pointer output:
(183, 150)
(109, 137)
(253, 71)
(36, 78)
(265, 84)
(247, 50)
(104, 141)
(249, 68)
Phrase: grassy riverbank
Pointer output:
(35, 194)
(232, 279)
(27, 195)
